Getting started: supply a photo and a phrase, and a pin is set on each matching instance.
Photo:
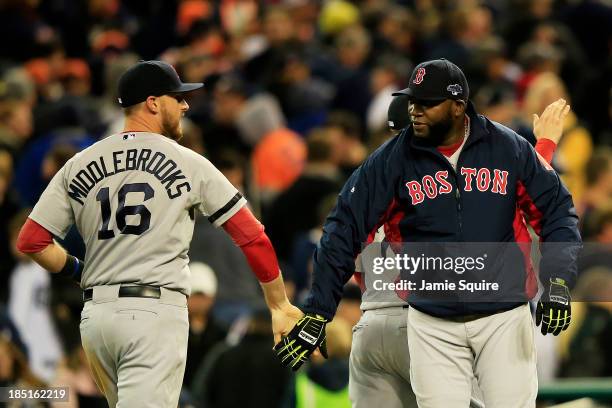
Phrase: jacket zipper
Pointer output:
(458, 200)
(457, 192)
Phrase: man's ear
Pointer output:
(459, 110)
(153, 104)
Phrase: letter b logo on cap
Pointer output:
(418, 78)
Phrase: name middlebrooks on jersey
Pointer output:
(164, 169)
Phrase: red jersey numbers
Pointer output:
(482, 180)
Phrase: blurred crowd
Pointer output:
(296, 96)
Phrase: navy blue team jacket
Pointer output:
(413, 191)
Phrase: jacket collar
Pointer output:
(478, 125)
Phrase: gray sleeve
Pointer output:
(219, 199)
(53, 210)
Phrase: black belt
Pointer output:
(142, 291)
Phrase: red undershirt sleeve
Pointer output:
(546, 148)
(248, 233)
(33, 237)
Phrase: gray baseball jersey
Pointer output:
(133, 197)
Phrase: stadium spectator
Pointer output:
(598, 191)
(204, 331)
(16, 124)
(347, 133)
(576, 144)
(28, 307)
(15, 372)
(238, 292)
(586, 348)
(304, 245)
(320, 178)
(352, 47)
(73, 372)
(235, 377)
(325, 382)
(9, 206)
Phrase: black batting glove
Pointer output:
(308, 334)
(554, 308)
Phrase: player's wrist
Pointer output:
(73, 268)
(279, 305)
(275, 294)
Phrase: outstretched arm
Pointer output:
(248, 234)
(551, 213)
(549, 127)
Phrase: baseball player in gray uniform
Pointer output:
(133, 197)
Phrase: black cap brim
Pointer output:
(188, 87)
(408, 92)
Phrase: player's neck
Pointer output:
(458, 132)
(136, 123)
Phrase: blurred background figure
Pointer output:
(9, 206)
(204, 331)
(73, 372)
(304, 245)
(324, 383)
(576, 144)
(585, 349)
(598, 192)
(15, 124)
(238, 292)
(15, 371)
(321, 177)
(29, 308)
(247, 374)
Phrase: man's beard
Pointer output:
(438, 132)
(169, 129)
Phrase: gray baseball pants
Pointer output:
(498, 350)
(136, 347)
(380, 362)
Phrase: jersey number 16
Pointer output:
(124, 210)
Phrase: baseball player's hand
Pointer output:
(284, 319)
(308, 334)
(554, 310)
(550, 124)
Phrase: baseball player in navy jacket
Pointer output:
(453, 176)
